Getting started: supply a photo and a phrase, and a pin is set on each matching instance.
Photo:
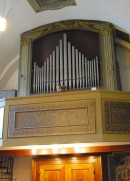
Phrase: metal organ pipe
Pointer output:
(65, 67)
(73, 67)
(40, 81)
(92, 73)
(69, 66)
(61, 62)
(34, 78)
(83, 73)
(80, 71)
(65, 59)
(57, 66)
(77, 68)
(37, 87)
(53, 70)
(45, 77)
(42, 78)
(86, 72)
(47, 70)
(50, 72)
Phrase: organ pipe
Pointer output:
(83, 73)
(86, 72)
(47, 71)
(73, 67)
(67, 67)
(61, 63)
(80, 70)
(77, 68)
(34, 78)
(53, 70)
(65, 59)
(57, 66)
(50, 72)
(42, 77)
(45, 80)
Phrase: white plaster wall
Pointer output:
(123, 57)
(22, 168)
(12, 82)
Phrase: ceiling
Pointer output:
(21, 17)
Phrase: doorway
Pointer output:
(67, 168)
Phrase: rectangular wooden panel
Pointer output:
(52, 173)
(51, 118)
(60, 118)
(80, 172)
(116, 116)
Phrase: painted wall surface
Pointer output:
(119, 166)
(22, 168)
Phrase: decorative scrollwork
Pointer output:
(103, 28)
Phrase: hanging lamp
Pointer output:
(3, 19)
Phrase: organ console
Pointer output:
(67, 67)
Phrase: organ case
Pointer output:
(66, 64)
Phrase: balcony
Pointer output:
(90, 117)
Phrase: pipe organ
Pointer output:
(67, 68)
(70, 55)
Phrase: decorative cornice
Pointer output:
(104, 28)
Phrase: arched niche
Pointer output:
(106, 51)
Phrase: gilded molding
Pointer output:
(25, 41)
(103, 28)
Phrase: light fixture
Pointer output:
(2, 19)
(55, 149)
(34, 151)
(43, 152)
(2, 23)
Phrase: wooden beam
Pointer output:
(87, 150)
